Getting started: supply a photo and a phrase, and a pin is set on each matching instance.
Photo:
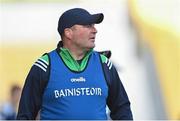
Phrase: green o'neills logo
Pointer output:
(80, 79)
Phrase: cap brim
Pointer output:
(97, 18)
(91, 19)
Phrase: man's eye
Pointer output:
(88, 26)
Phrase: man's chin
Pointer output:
(90, 48)
(93, 46)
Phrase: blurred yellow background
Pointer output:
(16, 61)
(158, 24)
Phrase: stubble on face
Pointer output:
(83, 37)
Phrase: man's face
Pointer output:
(83, 36)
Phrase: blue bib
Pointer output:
(75, 95)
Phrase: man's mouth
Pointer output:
(92, 38)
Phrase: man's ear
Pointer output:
(106, 53)
(68, 33)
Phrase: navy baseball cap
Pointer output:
(77, 16)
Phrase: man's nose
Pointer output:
(94, 30)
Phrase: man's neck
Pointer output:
(77, 54)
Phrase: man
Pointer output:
(9, 109)
(74, 81)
